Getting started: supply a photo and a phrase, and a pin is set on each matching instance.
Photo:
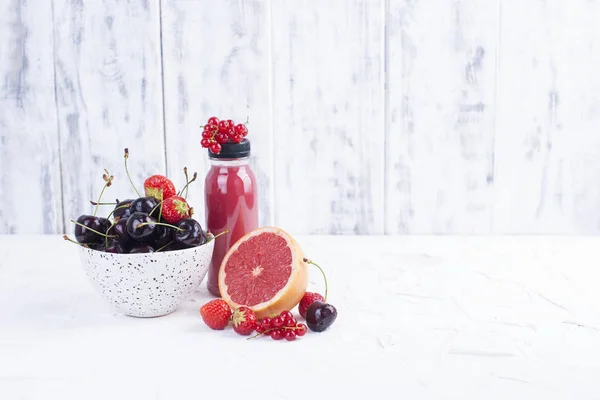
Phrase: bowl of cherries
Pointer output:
(148, 255)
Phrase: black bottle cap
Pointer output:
(233, 150)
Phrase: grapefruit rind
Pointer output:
(290, 295)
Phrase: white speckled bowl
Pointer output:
(147, 284)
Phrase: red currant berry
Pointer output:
(300, 329)
(277, 334)
(241, 129)
(223, 127)
(291, 322)
(277, 322)
(260, 329)
(237, 138)
(213, 121)
(286, 315)
(290, 335)
(230, 124)
(266, 323)
(221, 138)
(205, 142)
(215, 148)
(206, 134)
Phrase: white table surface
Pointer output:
(419, 318)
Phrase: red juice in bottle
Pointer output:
(231, 202)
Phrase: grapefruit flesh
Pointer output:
(264, 271)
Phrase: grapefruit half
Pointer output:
(264, 271)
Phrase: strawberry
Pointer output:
(160, 187)
(216, 314)
(174, 209)
(307, 300)
(244, 321)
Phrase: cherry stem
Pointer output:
(93, 230)
(187, 184)
(166, 245)
(226, 231)
(101, 204)
(187, 181)
(127, 170)
(108, 180)
(155, 207)
(306, 260)
(159, 223)
(108, 230)
(72, 241)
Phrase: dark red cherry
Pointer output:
(114, 247)
(144, 205)
(141, 248)
(174, 247)
(122, 209)
(144, 233)
(119, 229)
(163, 236)
(85, 235)
(320, 316)
(191, 234)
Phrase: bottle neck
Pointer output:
(229, 162)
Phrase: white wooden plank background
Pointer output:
(30, 194)
(366, 116)
(109, 94)
(440, 136)
(548, 155)
(328, 97)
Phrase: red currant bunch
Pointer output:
(217, 132)
(282, 326)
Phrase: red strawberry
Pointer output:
(159, 187)
(244, 321)
(216, 314)
(307, 300)
(174, 209)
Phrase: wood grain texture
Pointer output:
(109, 97)
(440, 136)
(547, 144)
(216, 62)
(328, 96)
(30, 188)
(366, 116)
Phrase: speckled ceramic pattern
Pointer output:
(147, 284)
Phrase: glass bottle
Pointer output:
(231, 202)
